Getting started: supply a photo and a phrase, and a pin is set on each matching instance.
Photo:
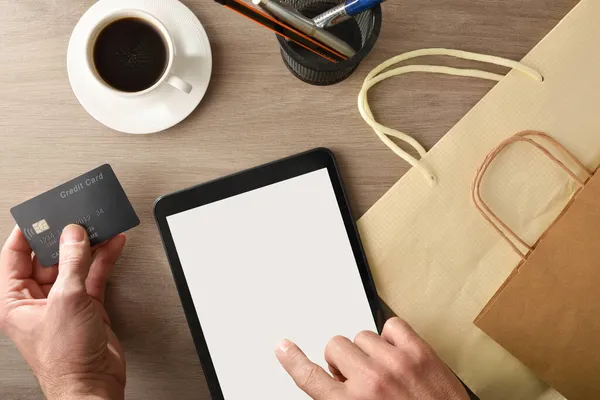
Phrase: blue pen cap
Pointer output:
(355, 7)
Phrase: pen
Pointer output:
(282, 29)
(343, 12)
(293, 17)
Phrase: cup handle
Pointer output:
(179, 83)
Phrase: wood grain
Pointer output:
(245, 119)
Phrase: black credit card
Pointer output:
(94, 200)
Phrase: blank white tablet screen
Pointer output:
(265, 265)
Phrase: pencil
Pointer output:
(284, 30)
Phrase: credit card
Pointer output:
(95, 200)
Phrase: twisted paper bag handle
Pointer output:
(504, 230)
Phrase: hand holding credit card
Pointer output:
(95, 200)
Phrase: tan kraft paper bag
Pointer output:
(435, 261)
(547, 312)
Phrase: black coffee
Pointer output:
(130, 55)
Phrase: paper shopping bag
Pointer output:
(435, 261)
(547, 313)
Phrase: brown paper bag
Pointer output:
(547, 313)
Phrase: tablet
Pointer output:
(262, 255)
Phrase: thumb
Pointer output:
(74, 262)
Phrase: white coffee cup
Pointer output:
(167, 76)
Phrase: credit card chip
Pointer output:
(40, 226)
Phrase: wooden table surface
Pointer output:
(254, 112)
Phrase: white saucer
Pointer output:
(163, 107)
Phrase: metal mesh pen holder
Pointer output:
(360, 32)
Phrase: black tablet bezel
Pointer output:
(242, 182)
